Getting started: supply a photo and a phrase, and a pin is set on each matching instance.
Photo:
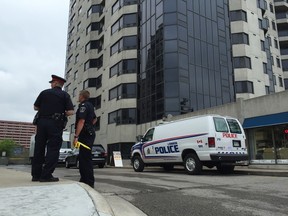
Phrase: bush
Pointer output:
(7, 146)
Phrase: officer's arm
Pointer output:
(79, 126)
(69, 112)
(94, 121)
(36, 108)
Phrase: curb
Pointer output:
(101, 205)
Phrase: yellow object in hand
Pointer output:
(77, 145)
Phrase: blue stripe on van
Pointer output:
(173, 138)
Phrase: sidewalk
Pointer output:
(20, 196)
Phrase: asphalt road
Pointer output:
(158, 193)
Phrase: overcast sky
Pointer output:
(33, 36)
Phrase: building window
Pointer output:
(244, 87)
(76, 58)
(280, 82)
(272, 60)
(285, 65)
(98, 102)
(274, 80)
(93, 63)
(94, 44)
(120, 3)
(278, 62)
(127, 20)
(122, 116)
(68, 87)
(74, 92)
(267, 90)
(242, 62)
(276, 43)
(125, 43)
(68, 74)
(124, 67)
(127, 90)
(265, 69)
(93, 82)
(77, 42)
(78, 26)
(273, 25)
(95, 9)
(95, 26)
(240, 38)
(238, 15)
(262, 45)
(75, 75)
(271, 8)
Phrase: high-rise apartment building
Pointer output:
(281, 10)
(256, 52)
(144, 59)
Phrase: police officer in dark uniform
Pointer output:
(53, 105)
(85, 134)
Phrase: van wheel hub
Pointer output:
(190, 164)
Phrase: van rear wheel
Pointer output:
(192, 164)
(138, 164)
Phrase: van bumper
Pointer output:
(229, 157)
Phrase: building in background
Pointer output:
(20, 132)
(256, 51)
(281, 10)
(143, 60)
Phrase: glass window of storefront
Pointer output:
(269, 145)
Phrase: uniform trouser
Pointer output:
(85, 160)
(49, 135)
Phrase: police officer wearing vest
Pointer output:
(85, 134)
(53, 106)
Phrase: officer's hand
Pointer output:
(75, 141)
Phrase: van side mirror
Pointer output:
(139, 138)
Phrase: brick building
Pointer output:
(20, 132)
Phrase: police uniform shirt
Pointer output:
(85, 111)
(52, 101)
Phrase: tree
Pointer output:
(7, 146)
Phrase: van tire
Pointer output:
(192, 164)
(138, 164)
(225, 169)
(67, 165)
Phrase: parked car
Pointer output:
(99, 157)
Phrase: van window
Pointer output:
(220, 124)
(234, 126)
(149, 135)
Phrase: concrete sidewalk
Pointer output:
(20, 196)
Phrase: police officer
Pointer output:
(85, 133)
(53, 106)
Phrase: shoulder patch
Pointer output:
(82, 109)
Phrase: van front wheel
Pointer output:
(138, 164)
(192, 164)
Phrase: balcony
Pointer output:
(281, 5)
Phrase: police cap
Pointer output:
(57, 78)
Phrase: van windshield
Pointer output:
(220, 124)
(234, 126)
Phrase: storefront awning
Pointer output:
(267, 120)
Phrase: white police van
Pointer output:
(208, 140)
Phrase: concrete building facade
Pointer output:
(142, 60)
(281, 10)
(256, 51)
(147, 60)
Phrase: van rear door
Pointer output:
(229, 134)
